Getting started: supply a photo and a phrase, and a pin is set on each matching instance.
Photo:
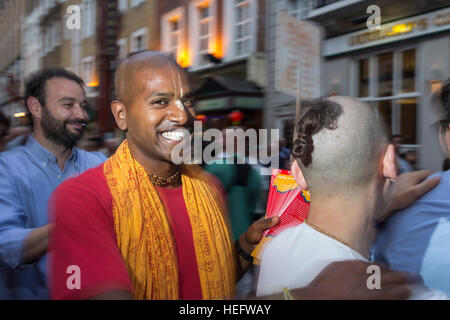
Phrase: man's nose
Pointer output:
(178, 112)
(80, 112)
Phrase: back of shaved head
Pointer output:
(126, 74)
(339, 144)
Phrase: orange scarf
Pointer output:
(145, 237)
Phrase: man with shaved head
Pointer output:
(343, 157)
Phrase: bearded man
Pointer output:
(56, 100)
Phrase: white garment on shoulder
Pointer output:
(297, 255)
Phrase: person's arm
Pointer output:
(249, 240)
(35, 244)
(12, 220)
(347, 280)
(409, 187)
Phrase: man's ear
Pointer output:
(444, 141)
(120, 114)
(298, 175)
(389, 166)
(35, 107)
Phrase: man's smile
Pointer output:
(176, 135)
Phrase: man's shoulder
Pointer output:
(12, 162)
(285, 239)
(422, 214)
(95, 157)
(12, 154)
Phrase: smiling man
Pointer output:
(140, 226)
(28, 175)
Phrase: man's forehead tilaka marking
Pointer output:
(178, 101)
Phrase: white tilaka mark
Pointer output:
(180, 105)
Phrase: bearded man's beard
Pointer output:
(56, 130)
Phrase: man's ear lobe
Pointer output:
(298, 175)
(389, 163)
(120, 114)
(35, 107)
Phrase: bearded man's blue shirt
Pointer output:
(28, 176)
(417, 239)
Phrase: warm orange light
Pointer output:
(216, 48)
(183, 58)
(19, 114)
(92, 84)
(400, 28)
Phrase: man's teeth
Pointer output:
(174, 135)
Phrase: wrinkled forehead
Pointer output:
(59, 87)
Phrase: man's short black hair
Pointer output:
(36, 83)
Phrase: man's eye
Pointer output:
(188, 102)
(68, 105)
(160, 102)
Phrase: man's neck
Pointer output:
(349, 219)
(162, 169)
(60, 152)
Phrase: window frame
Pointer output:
(302, 8)
(195, 37)
(397, 77)
(122, 43)
(142, 32)
(88, 18)
(230, 29)
(178, 14)
(122, 5)
(91, 60)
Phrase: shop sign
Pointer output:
(420, 25)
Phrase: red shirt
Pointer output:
(84, 237)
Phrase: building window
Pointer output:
(363, 78)
(388, 80)
(88, 71)
(47, 40)
(122, 50)
(139, 40)
(56, 34)
(204, 33)
(298, 8)
(172, 35)
(122, 5)
(175, 37)
(240, 29)
(88, 18)
(408, 70)
(385, 74)
(243, 26)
